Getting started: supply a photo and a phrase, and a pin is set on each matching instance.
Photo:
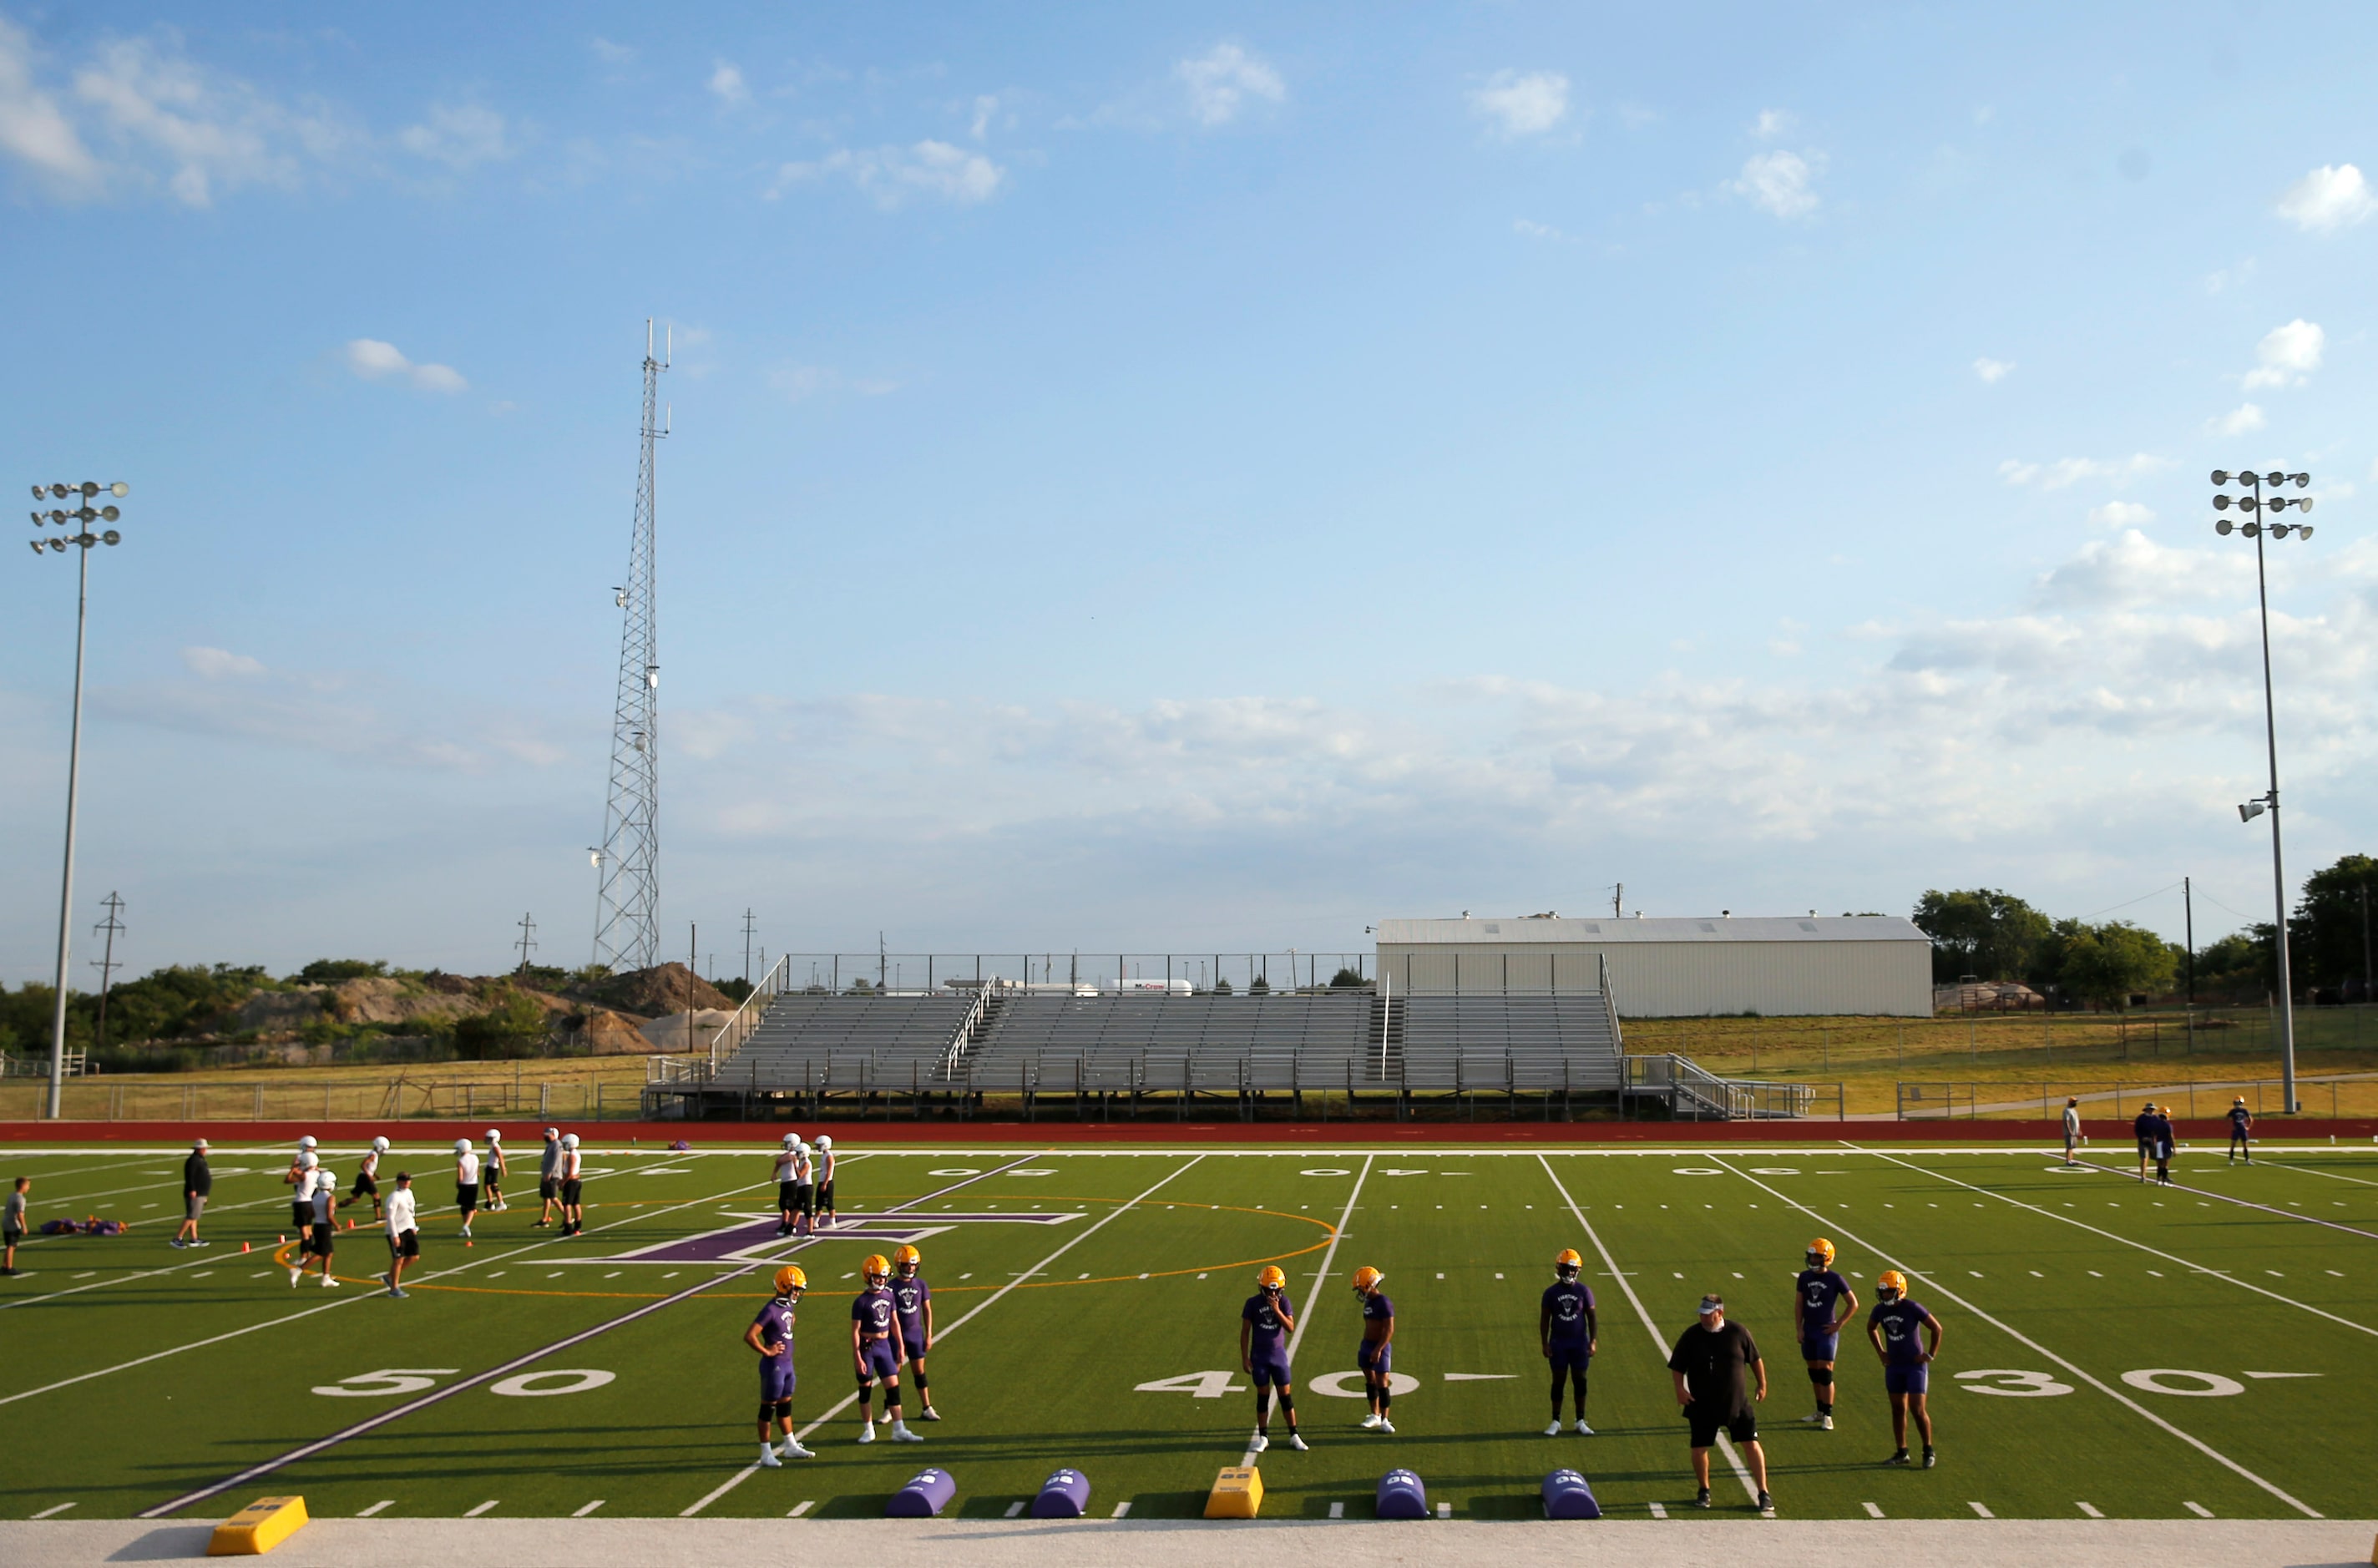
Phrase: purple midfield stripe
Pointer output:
(370, 1423)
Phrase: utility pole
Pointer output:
(1618, 901)
(692, 951)
(114, 927)
(2365, 941)
(527, 943)
(747, 945)
(2188, 906)
(627, 906)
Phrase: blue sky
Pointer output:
(1179, 478)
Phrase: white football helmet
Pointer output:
(307, 1141)
(461, 1145)
(494, 1136)
(569, 1140)
(379, 1145)
(792, 1140)
(826, 1144)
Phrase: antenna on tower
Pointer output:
(627, 905)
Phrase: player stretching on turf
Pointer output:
(826, 1161)
(549, 1177)
(573, 1213)
(1377, 1355)
(912, 1300)
(875, 1348)
(1265, 1324)
(771, 1335)
(493, 1193)
(1567, 1328)
(1906, 1360)
(787, 1194)
(2241, 1123)
(1821, 1302)
(368, 1177)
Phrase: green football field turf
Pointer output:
(2127, 1350)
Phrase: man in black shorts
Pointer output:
(2241, 1125)
(549, 1177)
(2143, 1129)
(1712, 1366)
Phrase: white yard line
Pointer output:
(2028, 1343)
(2315, 1170)
(845, 1403)
(1296, 1335)
(1741, 1471)
(2127, 1241)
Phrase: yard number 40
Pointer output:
(1204, 1385)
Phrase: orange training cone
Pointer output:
(242, 1246)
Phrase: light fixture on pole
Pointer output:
(2265, 505)
(80, 517)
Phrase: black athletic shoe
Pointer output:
(1899, 1457)
(1929, 1459)
(1702, 1498)
(1766, 1507)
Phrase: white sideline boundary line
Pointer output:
(1942, 1291)
(1312, 1296)
(845, 1403)
(2172, 1258)
(351, 1300)
(2313, 1170)
(1741, 1471)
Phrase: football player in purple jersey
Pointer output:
(912, 1300)
(1898, 1329)
(876, 1348)
(771, 1338)
(1377, 1355)
(1265, 1324)
(1566, 1327)
(1821, 1302)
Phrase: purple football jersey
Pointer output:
(908, 1298)
(775, 1321)
(1901, 1320)
(1821, 1294)
(1269, 1340)
(1377, 1306)
(1569, 1300)
(873, 1310)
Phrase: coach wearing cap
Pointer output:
(1712, 1365)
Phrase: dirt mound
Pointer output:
(664, 988)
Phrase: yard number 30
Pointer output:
(2013, 1384)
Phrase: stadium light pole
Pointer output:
(2260, 506)
(83, 516)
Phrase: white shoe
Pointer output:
(1582, 1429)
(1259, 1444)
(768, 1460)
(292, 1277)
(793, 1450)
(900, 1433)
(866, 1431)
(1553, 1431)
(330, 1283)
(1824, 1423)
(1371, 1422)
(1298, 1443)
(1388, 1427)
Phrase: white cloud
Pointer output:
(215, 663)
(799, 382)
(1521, 105)
(196, 130)
(985, 106)
(727, 85)
(376, 361)
(2120, 514)
(890, 175)
(2287, 353)
(2245, 417)
(458, 136)
(1781, 182)
(1993, 371)
(2328, 198)
(1222, 82)
(2072, 470)
(1773, 123)
(611, 53)
(33, 131)
(1528, 228)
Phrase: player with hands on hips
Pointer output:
(1821, 1302)
(1899, 1328)
(1377, 1355)
(771, 1338)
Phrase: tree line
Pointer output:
(1992, 935)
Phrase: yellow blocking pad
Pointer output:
(260, 1526)
(1237, 1494)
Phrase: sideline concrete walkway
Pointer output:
(1677, 1543)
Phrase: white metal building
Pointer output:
(1867, 965)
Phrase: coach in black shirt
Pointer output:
(1712, 1365)
(198, 1186)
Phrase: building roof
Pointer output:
(1525, 929)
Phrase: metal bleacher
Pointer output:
(833, 1045)
(1521, 1044)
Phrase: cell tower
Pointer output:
(627, 907)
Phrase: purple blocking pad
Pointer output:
(1402, 1496)
(1567, 1496)
(924, 1497)
(1062, 1496)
